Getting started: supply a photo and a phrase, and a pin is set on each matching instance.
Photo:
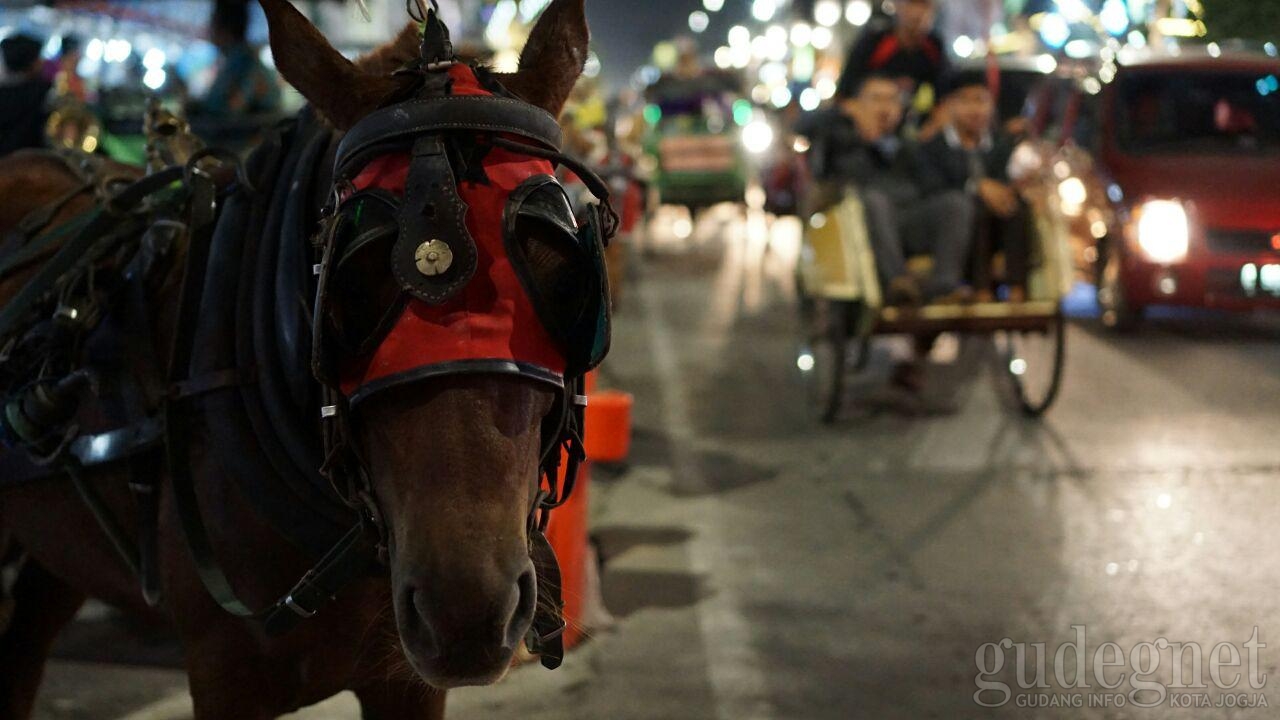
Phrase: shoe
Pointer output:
(904, 291)
(908, 376)
(962, 295)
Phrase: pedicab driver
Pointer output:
(907, 49)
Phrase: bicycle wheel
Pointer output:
(825, 354)
(1032, 362)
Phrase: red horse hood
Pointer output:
(492, 319)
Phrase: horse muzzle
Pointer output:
(465, 631)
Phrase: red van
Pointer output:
(1167, 170)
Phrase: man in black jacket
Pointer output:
(967, 157)
(22, 95)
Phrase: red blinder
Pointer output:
(491, 323)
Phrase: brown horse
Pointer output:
(453, 463)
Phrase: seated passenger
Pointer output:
(966, 157)
(855, 145)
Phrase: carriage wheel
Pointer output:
(1032, 362)
(825, 355)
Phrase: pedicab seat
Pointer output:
(837, 263)
(842, 310)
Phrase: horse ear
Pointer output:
(553, 58)
(404, 49)
(342, 92)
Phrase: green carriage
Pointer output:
(695, 140)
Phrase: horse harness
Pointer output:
(400, 186)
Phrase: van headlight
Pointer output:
(1164, 232)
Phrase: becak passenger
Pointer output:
(855, 145)
(969, 156)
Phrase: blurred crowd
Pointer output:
(34, 89)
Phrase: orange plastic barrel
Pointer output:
(608, 430)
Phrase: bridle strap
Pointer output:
(402, 122)
(594, 184)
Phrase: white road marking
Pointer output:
(738, 681)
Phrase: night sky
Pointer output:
(624, 31)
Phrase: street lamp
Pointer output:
(801, 34)
(822, 38)
(858, 12)
(1054, 30)
(1114, 17)
(763, 10)
(810, 99)
(827, 12)
(776, 43)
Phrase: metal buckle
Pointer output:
(580, 400)
(329, 411)
(290, 603)
(340, 188)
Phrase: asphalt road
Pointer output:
(760, 565)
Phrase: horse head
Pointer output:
(452, 457)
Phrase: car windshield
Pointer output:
(1200, 112)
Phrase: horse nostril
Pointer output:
(418, 603)
(526, 606)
